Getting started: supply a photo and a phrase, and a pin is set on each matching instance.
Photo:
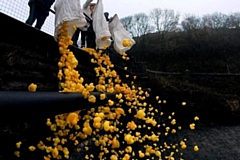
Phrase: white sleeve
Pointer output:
(68, 11)
(100, 26)
(86, 4)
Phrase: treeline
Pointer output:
(210, 43)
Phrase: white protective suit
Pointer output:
(119, 33)
(100, 26)
(68, 11)
(86, 8)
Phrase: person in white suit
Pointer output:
(69, 11)
(87, 9)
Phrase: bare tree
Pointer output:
(128, 23)
(141, 24)
(164, 20)
(191, 22)
(215, 20)
(155, 16)
(206, 21)
(170, 20)
(234, 20)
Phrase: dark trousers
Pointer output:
(76, 35)
(88, 35)
(91, 37)
(36, 13)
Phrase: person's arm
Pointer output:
(86, 4)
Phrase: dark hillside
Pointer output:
(183, 58)
(214, 99)
(202, 50)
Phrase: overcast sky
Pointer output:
(129, 7)
(19, 8)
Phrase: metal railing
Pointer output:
(24, 105)
(20, 11)
(192, 74)
(21, 109)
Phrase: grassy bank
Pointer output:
(214, 99)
